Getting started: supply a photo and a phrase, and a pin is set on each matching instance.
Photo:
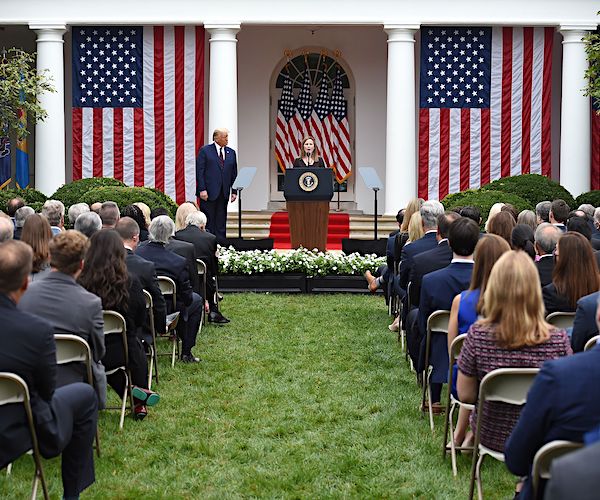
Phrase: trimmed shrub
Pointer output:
(30, 196)
(484, 200)
(591, 197)
(74, 192)
(531, 187)
(168, 202)
(123, 196)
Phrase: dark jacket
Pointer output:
(545, 266)
(584, 325)
(211, 176)
(424, 263)
(187, 251)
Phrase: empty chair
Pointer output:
(543, 460)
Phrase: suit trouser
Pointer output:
(138, 365)
(189, 323)
(71, 432)
(216, 215)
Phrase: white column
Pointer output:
(50, 133)
(400, 138)
(222, 91)
(575, 127)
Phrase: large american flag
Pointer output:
(283, 135)
(339, 128)
(138, 105)
(484, 106)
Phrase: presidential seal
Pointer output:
(308, 182)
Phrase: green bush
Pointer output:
(74, 192)
(591, 197)
(30, 196)
(532, 187)
(123, 196)
(168, 202)
(484, 199)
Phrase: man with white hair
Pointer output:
(54, 211)
(6, 229)
(76, 210)
(174, 266)
(205, 246)
(20, 215)
(88, 223)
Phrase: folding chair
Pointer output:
(452, 403)
(591, 343)
(74, 349)
(543, 460)
(438, 323)
(13, 389)
(114, 324)
(506, 385)
(563, 320)
(203, 274)
(153, 360)
(169, 288)
(402, 328)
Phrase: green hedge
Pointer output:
(30, 196)
(592, 197)
(484, 201)
(74, 192)
(168, 202)
(533, 188)
(123, 196)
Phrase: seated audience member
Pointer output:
(584, 324)
(413, 206)
(145, 210)
(68, 307)
(596, 220)
(513, 333)
(502, 224)
(20, 216)
(38, 234)
(437, 292)
(528, 217)
(7, 229)
(575, 475)
(495, 210)
(183, 211)
(575, 274)
(95, 207)
(135, 213)
(589, 210)
(129, 231)
(54, 211)
(471, 212)
(466, 309)
(157, 212)
(578, 224)
(205, 246)
(511, 209)
(522, 238)
(76, 210)
(13, 205)
(546, 237)
(563, 403)
(88, 223)
(174, 266)
(105, 275)
(542, 211)
(559, 211)
(109, 214)
(65, 418)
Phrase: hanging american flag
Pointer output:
(484, 106)
(285, 111)
(339, 131)
(318, 123)
(595, 170)
(300, 123)
(138, 105)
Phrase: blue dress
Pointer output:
(467, 315)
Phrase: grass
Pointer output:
(304, 396)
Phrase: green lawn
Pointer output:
(304, 396)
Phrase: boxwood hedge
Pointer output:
(74, 192)
(591, 197)
(123, 196)
(531, 187)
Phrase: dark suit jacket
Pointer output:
(146, 273)
(563, 403)
(545, 266)
(27, 349)
(205, 246)
(553, 302)
(437, 292)
(425, 263)
(584, 325)
(399, 242)
(575, 475)
(210, 176)
(188, 252)
(427, 242)
(299, 163)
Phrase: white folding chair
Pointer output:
(436, 323)
(452, 403)
(114, 324)
(506, 385)
(74, 349)
(169, 289)
(203, 274)
(563, 320)
(591, 343)
(13, 390)
(152, 356)
(543, 460)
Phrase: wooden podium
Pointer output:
(308, 192)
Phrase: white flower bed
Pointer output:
(309, 262)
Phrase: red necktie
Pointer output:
(221, 157)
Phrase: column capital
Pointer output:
(573, 33)
(49, 32)
(222, 32)
(401, 32)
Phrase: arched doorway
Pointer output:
(319, 65)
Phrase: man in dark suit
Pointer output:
(188, 252)
(69, 307)
(546, 237)
(205, 245)
(437, 292)
(559, 212)
(129, 230)
(216, 170)
(584, 325)
(174, 266)
(563, 403)
(64, 418)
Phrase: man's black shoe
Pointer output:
(217, 317)
(189, 358)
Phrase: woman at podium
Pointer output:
(309, 156)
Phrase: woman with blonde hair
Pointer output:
(413, 206)
(37, 233)
(309, 155)
(415, 228)
(495, 210)
(183, 211)
(513, 333)
(145, 210)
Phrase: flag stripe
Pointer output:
(118, 143)
(547, 103)
(475, 148)
(506, 101)
(128, 146)
(77, 153)
(536, 101)
(444, 183)
(516, 103)
(454, 150)
(595, 167)
(465, 148)
(434, 154)
(485, 146)
(495, 106)
(108, 168)
(138, 130)
(423, 152)
(199, 97)
(526, 96)
(189, 135)
(149, 111)
(97, 154)
(169, 107)
(179, 115)
(87, 142)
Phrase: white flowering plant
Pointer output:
(309, 262)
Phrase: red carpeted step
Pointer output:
(338, 228)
